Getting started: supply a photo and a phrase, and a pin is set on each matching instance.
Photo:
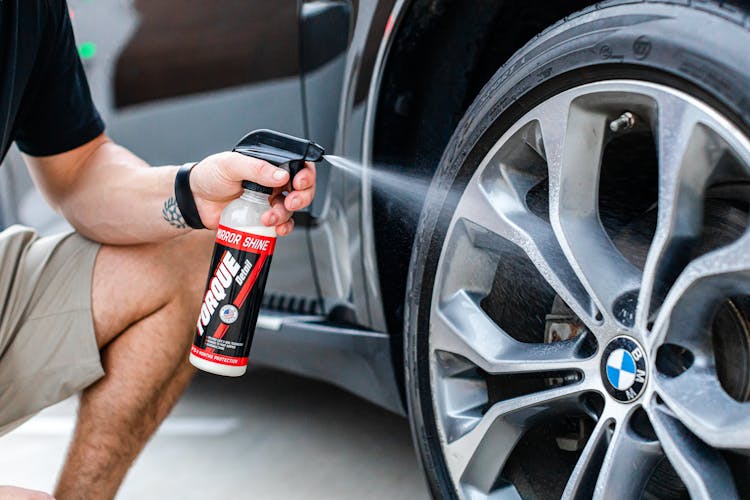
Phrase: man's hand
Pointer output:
(217, 180)
(14, 493)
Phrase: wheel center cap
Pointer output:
(624, 369)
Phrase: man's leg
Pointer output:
(145, 301)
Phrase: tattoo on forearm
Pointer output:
(171, 213)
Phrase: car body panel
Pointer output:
(150, 111)
(345, 261)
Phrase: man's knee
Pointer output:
(191, 260)
(132, 283)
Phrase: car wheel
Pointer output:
(578, 313)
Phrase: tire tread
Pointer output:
(720, 8)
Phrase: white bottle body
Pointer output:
(243, 214)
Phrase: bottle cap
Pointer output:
(254, 186)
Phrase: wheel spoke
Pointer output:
(702, 405)
(701, 468)
(495, 207)
(582, 480)
(627, 453)
(461, 327)
(688, 151)
(478, 457)
(574, 148)
(701, 286)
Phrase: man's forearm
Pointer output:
(116, 198)
(110, 195)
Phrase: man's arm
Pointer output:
(111, 196)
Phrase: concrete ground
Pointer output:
(267, 435)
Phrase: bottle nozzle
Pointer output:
(284, 151)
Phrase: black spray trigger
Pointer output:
(294, 168)
(284, 151)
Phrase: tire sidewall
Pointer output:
(659, 42)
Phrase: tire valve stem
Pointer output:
(626, 121)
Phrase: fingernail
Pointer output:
(272, 220)
(294, 203)
(279, 174)
(302, 184)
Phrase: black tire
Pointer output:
(698, 47)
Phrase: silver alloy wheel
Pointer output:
(667, 301)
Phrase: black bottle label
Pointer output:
(234, 291)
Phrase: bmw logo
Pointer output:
(228, 314)
(624, 369)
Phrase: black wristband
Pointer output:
(184, 196)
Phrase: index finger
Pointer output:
(239, 167)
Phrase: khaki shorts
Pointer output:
(48, 350)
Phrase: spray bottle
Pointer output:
(242, 258)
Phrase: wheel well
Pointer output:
(441, 57)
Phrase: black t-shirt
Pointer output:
(45, 103)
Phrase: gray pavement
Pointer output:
(266, 435)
